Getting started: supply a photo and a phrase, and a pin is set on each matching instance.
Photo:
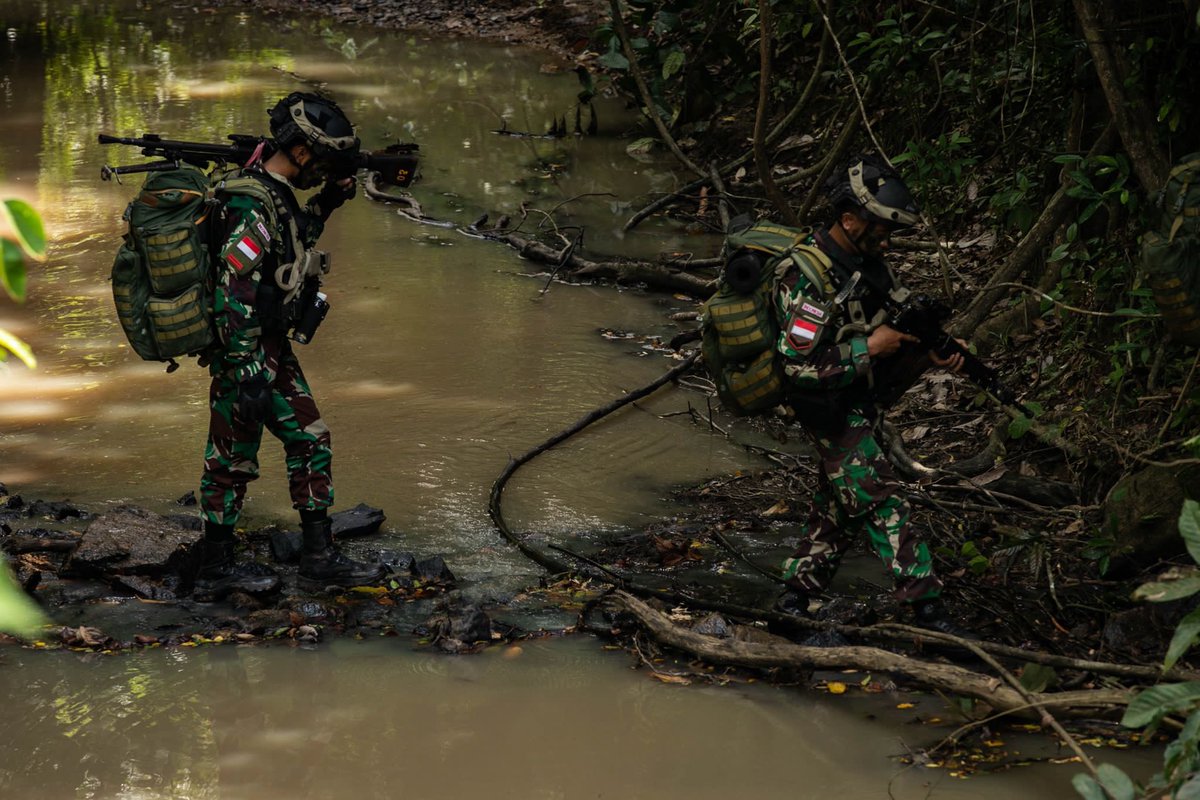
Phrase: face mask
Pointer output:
(311, 175)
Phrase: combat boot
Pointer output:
(219, 574)
(323, 564)
(931, 615)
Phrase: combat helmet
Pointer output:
(315, 121)
(872, 188)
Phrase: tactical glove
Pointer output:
(254, 398)
(331, 197)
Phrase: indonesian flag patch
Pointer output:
(243, 251)
(801, 333)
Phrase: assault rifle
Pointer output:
(922, 316)
(396, 163)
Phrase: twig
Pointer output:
(761, 162)
(651, 110)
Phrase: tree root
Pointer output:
(663, 277)
(946, 677)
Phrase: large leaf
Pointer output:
(1165, 591)
(19, 615)
(1036, 677)
(1088, 788)
(1116, 782)
(1189, 527)
(1150, 705)
(1189, 791)
(1185, 636)
(18, 348)
(12, 270)
(26, 225)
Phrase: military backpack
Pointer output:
(1171, 252)
(739, 327)
(163, 275)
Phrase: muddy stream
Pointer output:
(440, 358)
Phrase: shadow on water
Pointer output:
(438, 361)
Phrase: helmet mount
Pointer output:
(876, 192)
(303, 118)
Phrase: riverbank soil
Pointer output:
(562, 27)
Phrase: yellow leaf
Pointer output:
(906, 705)
(667, 678)
(17, 348)
(837, 687)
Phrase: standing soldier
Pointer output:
(267, 275)
(833, 356)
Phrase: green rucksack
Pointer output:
(1171, 252)
(739, 329)
(162, 277)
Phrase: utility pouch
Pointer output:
(751, 388)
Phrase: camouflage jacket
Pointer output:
(250, 247)
(824, 344)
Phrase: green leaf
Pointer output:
(673, 64)
(1087, 787)
(1036, 677)
(18, 348)
(1116, 782)
(27, 226)
(1189, 790)
(19, 615)
(1185, 636)
(1189, 528)
(1166, 591)
(1019, 427)
(12, 270)
(614, 58)
(1150, 705)
(1035, 407)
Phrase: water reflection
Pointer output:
(438, 359)
(554, 719)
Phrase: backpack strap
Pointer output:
(289, 276)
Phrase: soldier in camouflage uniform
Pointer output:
(256, 378)
(832, 355)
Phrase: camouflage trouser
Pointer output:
(231, 455)
(857, 488)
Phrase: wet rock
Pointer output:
(189, 521)
(14, 503)
(713, 625)
(188, 499)
(3, 490)
(400, 563)
(434, 570)
(54, 510)
(132, 541)
(362, 520)
(286, 546)
(311, 612)
(53, 591)
(1141, 513)
(459, 630)
(144, 587)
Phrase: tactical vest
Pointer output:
(163, 275)
(739, 328)
(1171, 252)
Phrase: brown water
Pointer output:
(440, 358)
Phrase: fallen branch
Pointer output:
(945, 677)
(565, 261)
